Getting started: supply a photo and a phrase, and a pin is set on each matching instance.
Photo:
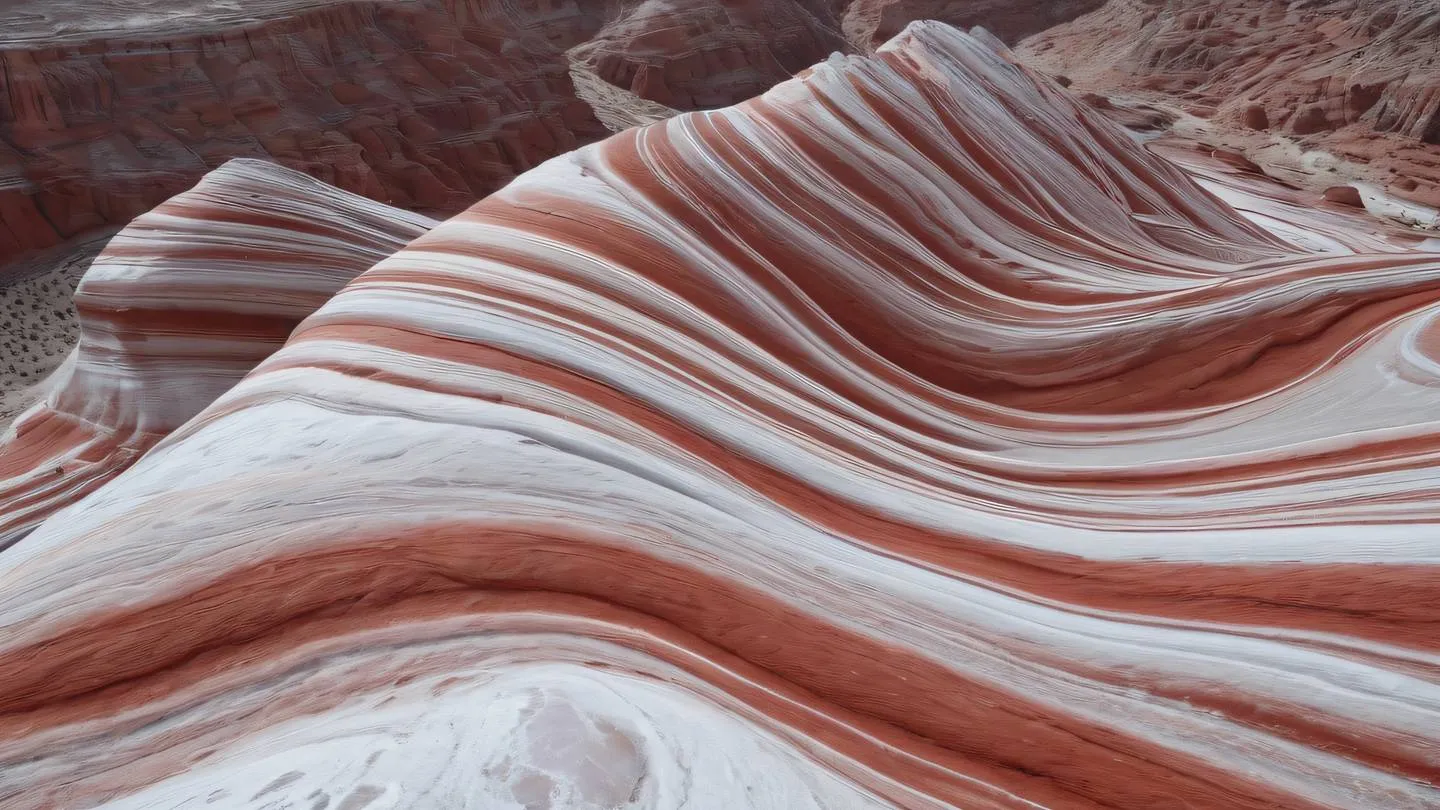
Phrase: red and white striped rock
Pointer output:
(906, 437)
(175, 310)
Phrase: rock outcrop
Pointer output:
(908, 436)
(108, 109)
(174, 311)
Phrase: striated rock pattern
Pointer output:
(43, 22)
(1360, 78)
(107, 109)
(178, 307)
(906, 437)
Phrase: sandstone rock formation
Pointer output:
(906, 437)
(1358, 78)
(107, 109)
(694, 55)
(176, 309)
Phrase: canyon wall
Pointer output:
(422, 105)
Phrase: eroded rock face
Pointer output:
(906, 437)
(690, 55)
(1359, 78)
(176, 308)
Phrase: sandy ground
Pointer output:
(37, 319)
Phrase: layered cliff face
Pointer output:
(425, 104)
(176, 309)
(1358, 78)
(906, 437)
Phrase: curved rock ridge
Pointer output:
(175, 309)
(908, 437)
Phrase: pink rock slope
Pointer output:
(905, 437)
(175, 310)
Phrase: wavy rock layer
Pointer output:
(905, 437)
(175, 310)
